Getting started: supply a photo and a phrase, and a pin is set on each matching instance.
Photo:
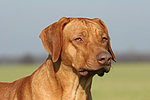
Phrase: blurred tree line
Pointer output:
(28, 58)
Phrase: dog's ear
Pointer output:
(110, 51)
(106, 31)
(52, 38)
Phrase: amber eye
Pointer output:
(104, 39)
(78, 39)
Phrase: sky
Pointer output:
(21, 22)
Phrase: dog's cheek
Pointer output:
(71, 50)
(68, 54)
(105, 45)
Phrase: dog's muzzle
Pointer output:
(104, 61)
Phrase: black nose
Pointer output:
(104, 58)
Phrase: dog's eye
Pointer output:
(104, 39)
(78, 39)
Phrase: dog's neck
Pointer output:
(72, 83)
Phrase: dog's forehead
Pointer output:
(84, 25)
(75, 25)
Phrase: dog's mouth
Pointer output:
(100, 72)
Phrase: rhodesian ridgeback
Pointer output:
(78, 49)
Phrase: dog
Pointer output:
(78, 49)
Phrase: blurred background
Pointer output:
(21, 22)
(128, 23)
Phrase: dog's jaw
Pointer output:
(100, 71)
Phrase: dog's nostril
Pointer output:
(102, 60)
(109, 60)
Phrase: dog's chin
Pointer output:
(100, 72)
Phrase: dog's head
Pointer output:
(82, 43)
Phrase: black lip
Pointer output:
(100, 72)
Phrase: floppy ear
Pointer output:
(110, 51)
(106, 30)
(52, 38)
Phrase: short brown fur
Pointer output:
(76, 47)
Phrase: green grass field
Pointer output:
(125, 81)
